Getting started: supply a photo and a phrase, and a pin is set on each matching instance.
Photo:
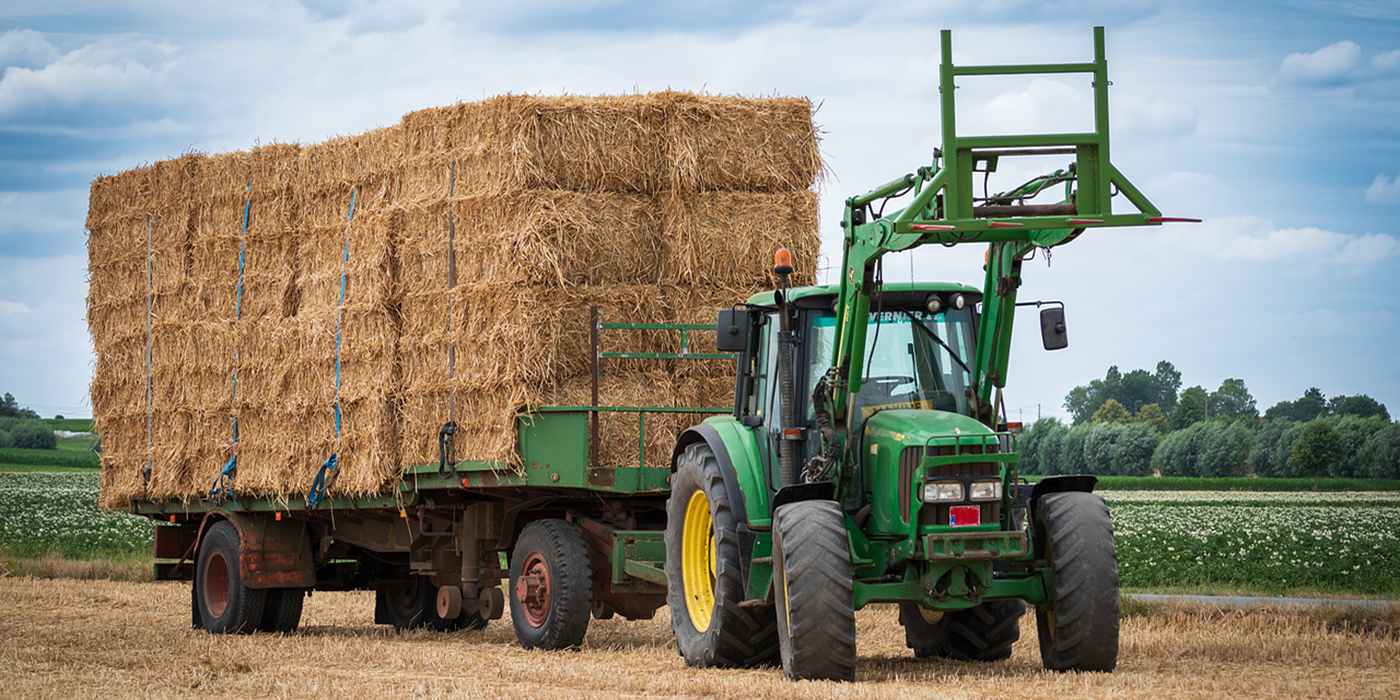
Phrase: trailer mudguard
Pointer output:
(736, 450)
(276, 553)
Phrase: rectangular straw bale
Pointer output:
(727, 239)
(191, 366)
(347, 161)
(264, 259)
(740, 143)
(123, 457)
(119, 380)
(587, 144)
(188, 448)
(369, 446)
(534, 237)
(364, 250)
(262, 174)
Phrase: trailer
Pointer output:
(562, 540)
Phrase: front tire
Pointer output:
(550, 586)
(982, 633)
(816, 602)
(226, 606)
(704, 573)
(1080, 631)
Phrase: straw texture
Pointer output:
(440, 268)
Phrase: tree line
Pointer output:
(1142, 423)
(21, 427)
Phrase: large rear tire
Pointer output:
(815, 591)
(982, 633)
(1080, 631)
(704, 572)
(226, 606)
(282, 610)
(551, 595)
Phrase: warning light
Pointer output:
(782, 262)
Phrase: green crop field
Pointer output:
(46, 513)
(1280, 543)
(1344, 543)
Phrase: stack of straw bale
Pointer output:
(440, 268)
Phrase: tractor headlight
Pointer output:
(943, 491)
(986, 490)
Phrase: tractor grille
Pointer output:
(909, 461)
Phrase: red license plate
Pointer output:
(964, 516)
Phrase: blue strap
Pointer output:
(224, 482)
(323, 478)
(327, 472)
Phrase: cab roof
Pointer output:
(818, 295)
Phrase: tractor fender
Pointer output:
(736, 451)
(274, 553)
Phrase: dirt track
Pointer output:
(65, 638)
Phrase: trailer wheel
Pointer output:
(226, 606)
(1080, 631)
(982, 633)
(703, 572)
(414, 605)
(282, 609)
(816, 603)
(550, 586)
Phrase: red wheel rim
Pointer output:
(216, 583)
(532, 589)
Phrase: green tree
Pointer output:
(1317, 448)
(1354, 432)
(1274, 445)
(1111, 412)
(10, 408)
(1232, 400)
(1133, 390)
(1190, 408)
(1033, 446)
(1380, 456)
(1309, 407)
(1167, 381)
(1151, 415)
(1119, 449)
(1224, 448)
(1072, 451)
(1361, 406)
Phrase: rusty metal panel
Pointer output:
(275, 553)
(175, 541)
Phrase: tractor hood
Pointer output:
(923, 427)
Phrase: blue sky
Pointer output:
(1277, 122)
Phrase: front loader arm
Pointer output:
(945, 210)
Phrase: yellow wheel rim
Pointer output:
(932, 617)
(698, 561)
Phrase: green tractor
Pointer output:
(868, 459)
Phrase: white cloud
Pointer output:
(1307, 249)
(1045, 106)
(1330, 65)
(1144, 117)
(13, 307)
(25, 48)
(122, 71)
(1384, 190)
(1388, 62)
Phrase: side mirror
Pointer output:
(1052, 328)
(732, 331)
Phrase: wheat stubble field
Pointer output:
(68, 638)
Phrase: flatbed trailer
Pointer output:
(571, 538)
